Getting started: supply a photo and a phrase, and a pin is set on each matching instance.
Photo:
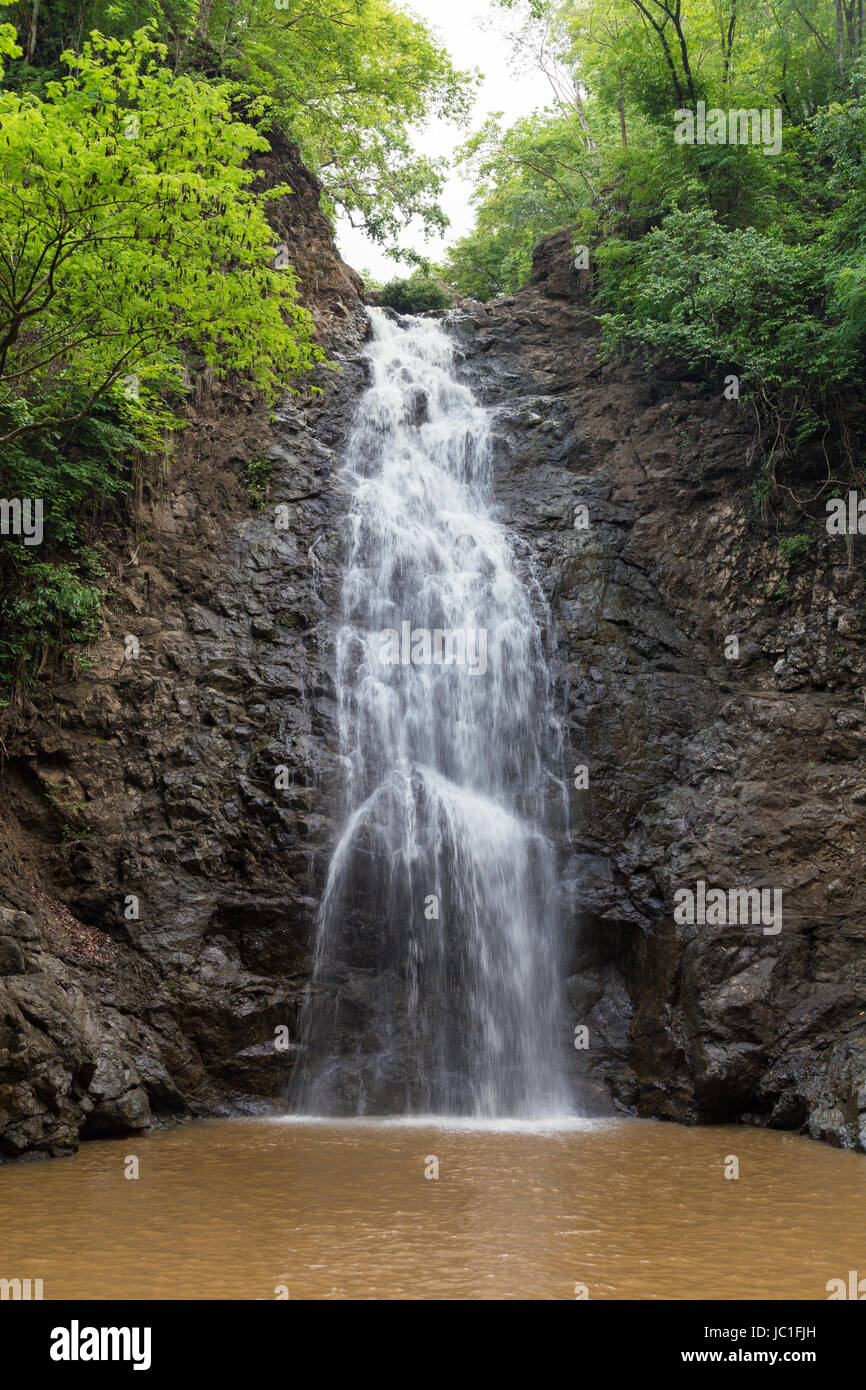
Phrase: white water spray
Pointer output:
(437, 976)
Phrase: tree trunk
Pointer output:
(728, 43)
(581, 115)
(204, 9)
(32, 20)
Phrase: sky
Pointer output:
(475, 32)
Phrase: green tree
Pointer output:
(128, 229)
(529, 179)
(348, 80)
(130, 236)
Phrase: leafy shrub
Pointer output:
(49, 602)
(418, 294)
(50, 607)
(257, 480)
(702, 294)
(793, 548)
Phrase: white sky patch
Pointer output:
(476, 34)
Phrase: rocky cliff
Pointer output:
(156, 889)
(738, 771)
(166, 818)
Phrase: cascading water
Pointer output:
(437, 973)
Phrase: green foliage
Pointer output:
(418, 294)
(347, 80)
(840, 139)
(779, 590)
(372, 285)
(130, 234)
(714, 255)
(47, 28)
(701, 294)
(760, 488)
(50, 606)
(794, 548)
(49, 597)
(527, 184)
(126, 229)
(257, 480)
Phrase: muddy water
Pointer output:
(249, 1209)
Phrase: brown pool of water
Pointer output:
(261, 1209)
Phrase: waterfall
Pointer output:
(437, 976)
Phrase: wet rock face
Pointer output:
(181, 805)
(165, 817)
(738, 773)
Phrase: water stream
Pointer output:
(437, 977)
